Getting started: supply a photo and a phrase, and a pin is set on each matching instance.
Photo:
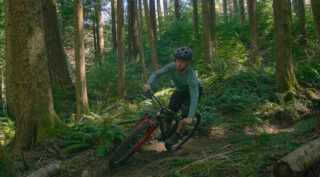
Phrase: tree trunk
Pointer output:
(300, 12)
(295, 163)
(9, 63)
(212, 21)
(241, 7)
(100, 29)
(165, 7)
(58, 67)
(225, 11)
(195, 19)
(206, 33)
(286, 80)
(141, 48)
(140, 15)
(254, 47)
(81, 84)
(177, 10)
(153, 18)
(159, 18)
(132, 31)
(235, 9)
(315, 5)
(154, 60)
(33, 105)
(114, 23)
(120, 51)
(95, 43)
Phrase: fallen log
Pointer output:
(298, 161)
(46, 170)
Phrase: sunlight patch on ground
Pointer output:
(267, 128)
(154, 146)
(218, 132)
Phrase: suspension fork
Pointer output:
(147, 135)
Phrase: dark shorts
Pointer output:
(179, 99)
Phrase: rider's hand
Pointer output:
(146, 87)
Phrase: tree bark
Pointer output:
(212, 21)
(9, 63)
(153, 18)
(195, 19)
(235, 9)
(154, 60)
(177, 10)
(120, 50)
(295, 163)
(315, 5)
(81, 84)
(300, 12)
(241, 9)
(100, 39)
(95, 43)
(33, 106)
(286, 80)
(140, 14)
(225, 11)
(58, 67)
(254, 47)
(206, 33)
(132, 31)
(114, 23)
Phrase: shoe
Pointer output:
(172, 140)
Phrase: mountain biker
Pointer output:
(188, 89)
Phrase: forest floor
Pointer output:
(215, 151)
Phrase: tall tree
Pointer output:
(120, 50)
(286, 80)
(300, 12)
(81, 83)
(9, 63)
(235, 9)
(195, 18)
(114, 23)
(315, 5)
(153, 18)
(165, 7)
(241, 9)
(154, 59)
(100, 39)
(132, 31)
(33, 106)
(225, 11)
(140, 15)
(212, 21)
(206, 33)
(254, 47)
(159, 18)
(58, 67)
(177, 9)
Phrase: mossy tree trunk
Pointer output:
(154, 60)
(114, 23)
(195, 19)
(33, 106)
(241, 10)
(286, 80)
(206, 33)
(254, 47)
(132, 31)
(120, 50)
(225, 11)
(177, 10)
(81, 83)
(300, 12)
(315, 5)
(58, 67)
(212, 21)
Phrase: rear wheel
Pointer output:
(126, 148)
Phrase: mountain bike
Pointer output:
(146, 127)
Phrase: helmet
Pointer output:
(183, 53)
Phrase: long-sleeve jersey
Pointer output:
(185, 82)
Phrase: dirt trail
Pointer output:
(152, 158)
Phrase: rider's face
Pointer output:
(181, 65)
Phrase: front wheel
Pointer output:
(186, 133)
(131, 144)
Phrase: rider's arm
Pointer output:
(194, 95)
(164, 70)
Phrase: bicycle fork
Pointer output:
(147, 135)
